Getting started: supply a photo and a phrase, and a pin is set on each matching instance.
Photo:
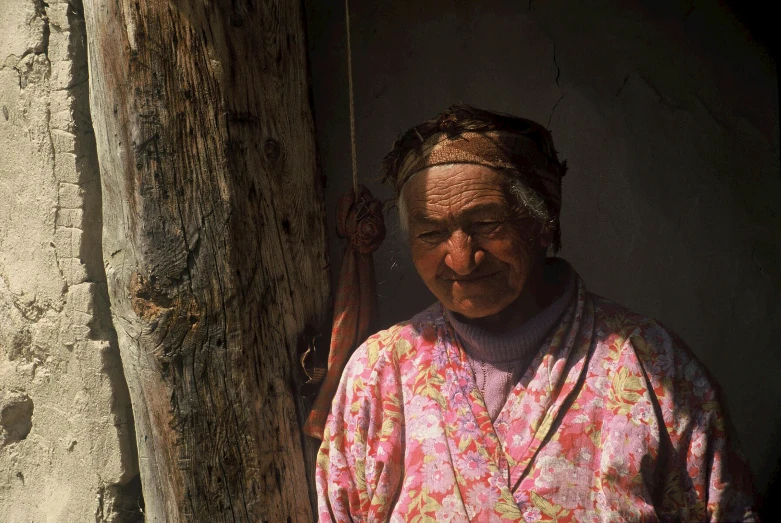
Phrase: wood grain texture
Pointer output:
(214, 246)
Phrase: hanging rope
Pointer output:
(352, 99)
(359, 219)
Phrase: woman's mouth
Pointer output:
(471, 278)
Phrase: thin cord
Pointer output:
(352, 101)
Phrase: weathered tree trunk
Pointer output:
(214, 246)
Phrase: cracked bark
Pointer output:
(214, 246)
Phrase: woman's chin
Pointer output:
(478, 307)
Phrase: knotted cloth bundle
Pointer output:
(360, 220)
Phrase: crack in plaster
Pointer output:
(558, 75)
(709, 111)
(671, 105)
(623, 84)
(40, 8)
(19, 75)
(661, 98)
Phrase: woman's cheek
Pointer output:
(425, 258)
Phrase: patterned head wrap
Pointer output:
(515, 154)
(516, 147)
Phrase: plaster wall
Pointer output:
(667, 113)
(67, 448)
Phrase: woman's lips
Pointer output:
(470, 278)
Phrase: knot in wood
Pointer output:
(148, 301)
(236, 20)
(272, 150)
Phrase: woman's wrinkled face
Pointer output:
(472, 249)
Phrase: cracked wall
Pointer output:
(67, 449)
(667, 113)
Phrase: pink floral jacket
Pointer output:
(615, 420)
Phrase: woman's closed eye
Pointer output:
(433, 236)
(485, 226)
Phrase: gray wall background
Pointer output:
(667, 113)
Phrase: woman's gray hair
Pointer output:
(534, 204)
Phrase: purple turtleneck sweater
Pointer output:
(499, 360)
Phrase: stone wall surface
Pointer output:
(67, 448)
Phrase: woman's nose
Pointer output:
(462, 255)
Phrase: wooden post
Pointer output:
(214, 246)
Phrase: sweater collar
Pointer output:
(522, 339)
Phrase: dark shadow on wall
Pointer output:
(769, 501)
(759, 19)
(761, 22)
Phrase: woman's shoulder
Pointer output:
(615, 321)
(400, 341)
(664, 357)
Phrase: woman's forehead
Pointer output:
(455, 189)
(457, 176)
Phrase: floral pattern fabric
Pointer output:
(615, 420)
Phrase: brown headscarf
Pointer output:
(515, 154)
(516, 147)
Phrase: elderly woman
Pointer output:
(519, 395)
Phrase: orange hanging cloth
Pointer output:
(360, 220)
